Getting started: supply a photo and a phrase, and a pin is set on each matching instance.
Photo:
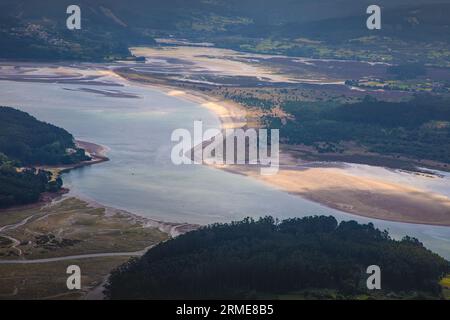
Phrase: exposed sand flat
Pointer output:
(358, 195)
(230, 114)
(214, 60)
(92, 74)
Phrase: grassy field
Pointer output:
(73, 227)
(69, 227)
(48, 280)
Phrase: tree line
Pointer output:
(29, 142)
(24, 143)
(23, 186)
(267, 258)
(419, 128)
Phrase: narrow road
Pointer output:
(12, 227)
(15, 242)
(77, 257)
(16, 225)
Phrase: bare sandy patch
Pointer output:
(362, 196)
(214, 60)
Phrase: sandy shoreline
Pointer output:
(362, 196)
(95, 151)
(173, 229)
(229, 113)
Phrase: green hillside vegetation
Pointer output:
(23, 187)
(24, 143)
(265, 258)
(419, 128)
(32, 142)
(37, 30)
(323, 30)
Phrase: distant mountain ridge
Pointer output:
(37, 29)
(141, 13)
(421, 23)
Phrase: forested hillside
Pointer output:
(37, 30)
(419, 128)
(31, 142)
(267, 259)
(25, 142)
(25, 186)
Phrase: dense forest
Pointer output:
(25, 142)
(31, 142)
(23, 186)
(419, 128)
(269, 259)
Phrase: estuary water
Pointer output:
(140, 177)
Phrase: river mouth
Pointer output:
(135, 123)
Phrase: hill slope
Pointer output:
(25, 141)
(29, 141)
(23, 187)
(37, 29)
(260, 259)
